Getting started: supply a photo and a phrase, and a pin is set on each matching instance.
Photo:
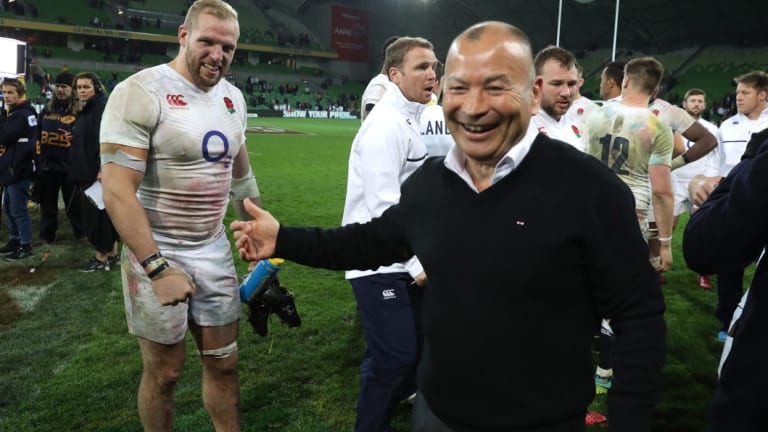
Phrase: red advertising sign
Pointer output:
(349, 33)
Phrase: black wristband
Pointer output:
(157, 270)
(685, 158)
(149, 259)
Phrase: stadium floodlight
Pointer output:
(13, 58)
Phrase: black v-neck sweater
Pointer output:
(517, 277)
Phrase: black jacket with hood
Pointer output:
(18, 134)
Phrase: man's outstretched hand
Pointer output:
(255, 239)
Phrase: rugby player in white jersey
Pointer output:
(582, 106)
(694, 103)
(556, 70)
(684, 128)
(610, 81)
(173, 151)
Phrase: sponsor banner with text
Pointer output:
(349, 33)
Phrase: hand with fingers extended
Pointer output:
(255, 239)
(173, 286)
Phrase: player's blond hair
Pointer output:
(397, 51)
(755, 79)
(218, 8)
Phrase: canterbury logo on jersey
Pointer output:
(175, 100)
(388, 294)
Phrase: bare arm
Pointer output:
(119, 185)
(704, 142)
(679, 147)
(663, 203)
(241, 167)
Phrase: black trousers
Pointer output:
(98, 226)
(424, 420)
(730, 288)
(49, 183)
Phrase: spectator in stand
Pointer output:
(85, 170)
(55, 127)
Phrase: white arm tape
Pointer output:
(244, 187)
(125, 160)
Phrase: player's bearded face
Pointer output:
(558, 87)
(210, 48)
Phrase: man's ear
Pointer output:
(538, 84)
(394, 75)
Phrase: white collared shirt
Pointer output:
(456, 159)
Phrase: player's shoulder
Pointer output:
(147, 79)
(731, 122)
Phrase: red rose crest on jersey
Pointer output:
(655, 112)
(580, 111)
(576, 131)
(176, 101)
(230, 106)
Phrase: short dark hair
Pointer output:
(615, 71)
(561, 55)
(694, 92)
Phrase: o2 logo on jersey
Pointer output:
(215, 147)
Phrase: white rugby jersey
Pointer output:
(565, 129)
(192, 137)
(708, 165)
(672, 115)
(733, 137)
(580, 109)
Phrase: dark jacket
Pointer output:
(730, 229)
(53, 150)
(84, 162)
(18, 134)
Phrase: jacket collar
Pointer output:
(412, 109)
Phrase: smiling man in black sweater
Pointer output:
(524, 241)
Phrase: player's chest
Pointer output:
(194, 128)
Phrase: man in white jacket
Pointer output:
(386, 150)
